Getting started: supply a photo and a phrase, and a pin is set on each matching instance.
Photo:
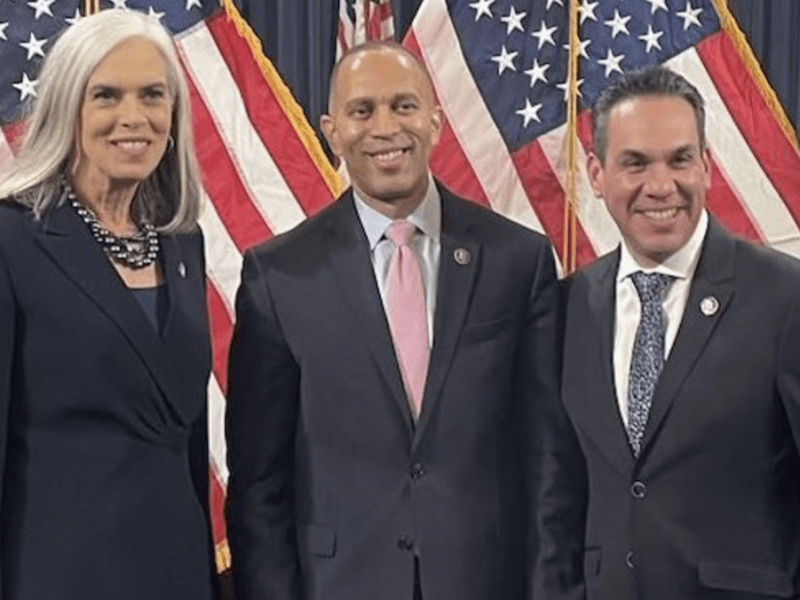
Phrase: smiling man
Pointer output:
(682, 371)
(394, 423)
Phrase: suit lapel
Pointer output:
(714, 278)
(605, 421)
(351, 263)
(70, 245)
(455, 287)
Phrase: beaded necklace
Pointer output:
(136, 251)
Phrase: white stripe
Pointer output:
(600, 229)
(471, 121)
(741, 168)
(223, 260)
(216, 430)
(259, 174)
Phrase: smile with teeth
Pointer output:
(661, 213)
(388, 155)
(131, 145)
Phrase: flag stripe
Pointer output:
(773, 150)
(737, 161)
(231, 200)
(216, 431)
(433, 34)
(277, 133)
(257, 171)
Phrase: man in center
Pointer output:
(394, 425)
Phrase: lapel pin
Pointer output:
(709, 306)
(182, 269)
(462, 256)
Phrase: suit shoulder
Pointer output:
(766, 263)
(14, 220)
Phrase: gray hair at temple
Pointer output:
(653, 81)
(170, 196)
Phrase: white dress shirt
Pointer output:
(426, 243)
(681, 266)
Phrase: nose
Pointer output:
(660, 181)
(384, 122)
(131, 112)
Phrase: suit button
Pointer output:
(417, 471)
(629, 560)
(638, 489)
(405, 544)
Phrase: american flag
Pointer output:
(361, 21)
(264, 170)
(500, 68)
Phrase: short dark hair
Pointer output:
(652, 81)
(372, 46)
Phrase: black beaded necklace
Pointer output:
(136, 251)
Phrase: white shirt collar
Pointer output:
(680, 265)
(427, 216)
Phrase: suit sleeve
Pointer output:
(7, 327)
(260, 424)
(554, 464)
(789, 368)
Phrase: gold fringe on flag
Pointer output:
(287, 101)
(739, 40)
(569, 256)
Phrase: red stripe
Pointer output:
(449, 162)
(14, 133)
(269, 119)
(725, 204)
(547, 198)
(773, 150)
(221, 334)
(217, 502)
(231, 199)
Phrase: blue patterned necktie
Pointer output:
(648, 352)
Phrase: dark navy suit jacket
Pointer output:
(102, 420)
(334, 490)
(711, 507)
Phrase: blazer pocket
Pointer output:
(739, 577)
(591, 562)
(316, 540)
(476, 332)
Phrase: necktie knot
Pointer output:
(401, 232)
(651, 287)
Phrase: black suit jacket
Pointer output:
(102, 420)
(711, 507)
(333, 488)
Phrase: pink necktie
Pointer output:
(408, 313)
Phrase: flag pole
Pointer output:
(570, 206)
(91, 6)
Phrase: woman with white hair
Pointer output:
(104, 347)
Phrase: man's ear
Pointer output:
(706, 158)
(594, 169)
(328, 128)
(437, 122)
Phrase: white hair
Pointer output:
(170, 196)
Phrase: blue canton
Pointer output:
(517, 51)
(28, 29)
(647, 360)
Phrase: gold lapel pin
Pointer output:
(709, 306)
(182, 269)
(462, 256)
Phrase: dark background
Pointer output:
(299, 37)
